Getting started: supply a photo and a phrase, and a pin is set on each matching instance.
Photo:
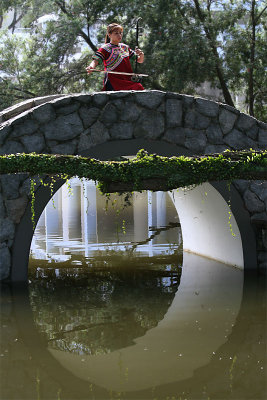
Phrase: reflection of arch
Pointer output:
(23, 237)
(215, 373)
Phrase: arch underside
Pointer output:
(203, 212)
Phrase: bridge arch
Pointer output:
(105, 125)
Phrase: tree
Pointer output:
(186, 43)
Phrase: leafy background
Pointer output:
(185, 42)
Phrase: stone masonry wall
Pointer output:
(74, 123)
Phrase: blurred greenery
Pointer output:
(186, 43)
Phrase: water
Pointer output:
(115, 310)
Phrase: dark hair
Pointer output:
(110, 29)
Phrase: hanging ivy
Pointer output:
(145, 171)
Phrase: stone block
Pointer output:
(2, 207)
(201, 122)
(44, 113)
(121, 130)
(68, 109)
(83, 98)
(5, 262)
(196, 144)
(207, 108)
(150, 124)
(99, 133)
(60, 102)
(120, 104)
(239, 141)
(25, 188)
(109, 114)
(241, 185)
(260, 189)
(263, 138)
(151, 99)
(65, 148)
(12, 147)
(130, 112)
(188, 100)
(227, 120)
(34, 143)
(85, 142)
(27, 128)
(190, 118)
(89, 115)
(245, 122)
(172, 95)
(253, 132)
(7, 229)
(214, 134)
(10, 186)
(259, 219)
(263, 125)
(192, 133)
(65, 127)
(120, 94)
(100, 99)
(175, 135)
(4, 132)
(253, 203)
(174, 112)
(16, 208)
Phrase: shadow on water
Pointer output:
(87, 336)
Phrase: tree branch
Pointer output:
(226, 93)
(80, 32)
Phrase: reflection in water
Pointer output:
(104, 310)
(110, 313)
(205, 340)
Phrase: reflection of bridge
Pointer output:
(221, 307)
(105, 125)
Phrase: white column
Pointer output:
(161, 209)
(140, 216)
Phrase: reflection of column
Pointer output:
(75, 213)
(150, 219)
(161, 209)
(89, 214)
(65, 212)
(52, 222)
(140, 216)
(161, 216)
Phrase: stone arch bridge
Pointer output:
(108, 124)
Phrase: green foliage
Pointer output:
(138, 173)
(186, 43)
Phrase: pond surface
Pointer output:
(115, 310)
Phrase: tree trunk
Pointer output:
(252, 60)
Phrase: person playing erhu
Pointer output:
(116, 58)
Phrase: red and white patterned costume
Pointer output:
(117, 58)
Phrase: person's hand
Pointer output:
(90, 69)
(139, 54)
(138, 51)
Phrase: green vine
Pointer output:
(145, 171)
(230, 210)
(32, 192)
